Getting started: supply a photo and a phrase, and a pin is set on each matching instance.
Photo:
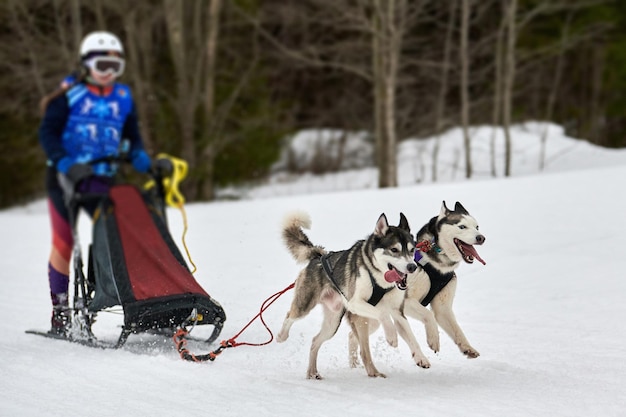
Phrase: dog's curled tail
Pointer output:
(296, 240)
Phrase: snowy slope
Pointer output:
(546, 312)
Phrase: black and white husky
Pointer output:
(443, 243)
(368, 279)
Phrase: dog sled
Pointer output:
(133, 262)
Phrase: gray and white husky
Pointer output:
(443, 243)
(368, 279)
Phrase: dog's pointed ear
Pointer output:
(404, 223)
(458, 207)
(444, 210)
(381, 226)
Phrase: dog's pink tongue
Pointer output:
(392, 276)
(470, 249)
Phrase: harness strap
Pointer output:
(438, 281)
(324, 259)
(378, 292)
(327, 267)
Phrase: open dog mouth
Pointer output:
(395, 276)
(468, 252)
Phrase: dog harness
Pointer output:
(438, 281)
(378, 292)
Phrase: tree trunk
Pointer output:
(596, 108)
(132, 28)
(464, 57)
(77, 24)
(68, 55)
(208, 188)
(509, 81)
(378, 93)
(387, 44)
(443, 88)
(185, 109)
(496, 115)
(558, 71)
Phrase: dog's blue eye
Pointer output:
(462, 227)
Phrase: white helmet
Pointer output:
(99, 42)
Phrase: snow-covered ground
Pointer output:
(546, 313)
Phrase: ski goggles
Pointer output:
(108, 64)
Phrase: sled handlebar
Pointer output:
(166, 173)
(155, 171)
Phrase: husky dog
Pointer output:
(445, 241)
(368, 279)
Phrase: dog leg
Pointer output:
(415, 309)
(353, 340)
(362, 328)
(402, 324)
(331, 322)
(363, 309)
(442, 307)
(353, 347)
(391, 334)
(284, 331)
(293, 314)
(304, 301)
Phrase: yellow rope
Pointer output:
(173, 197)
(182, 211)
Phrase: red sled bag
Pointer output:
(134, 262)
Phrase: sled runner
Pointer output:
(134, 263)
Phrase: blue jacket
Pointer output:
(89, 122)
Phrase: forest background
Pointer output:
(223, 83)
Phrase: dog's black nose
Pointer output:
(411, 267)
(480, 239)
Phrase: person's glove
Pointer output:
(140, 160)
(64, 164)
(79, 172)
(75, 172)
(162, 167)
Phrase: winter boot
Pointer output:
(61, 321)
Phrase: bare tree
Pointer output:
(508, 83)
(464, 59)
(211, 150)
(193, 35)
(552, 96)
(443, 86)
(67, 53)
(383, 23)
(77, 24)
(388, 23)
(139, 23)
(497, 90)
(186, 64)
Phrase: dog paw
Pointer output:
(421, 361)
(471, 353)
(393, 342)
(314, 375)
(433, 342)
(280, 337)
(376, 375)
(354, 362)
